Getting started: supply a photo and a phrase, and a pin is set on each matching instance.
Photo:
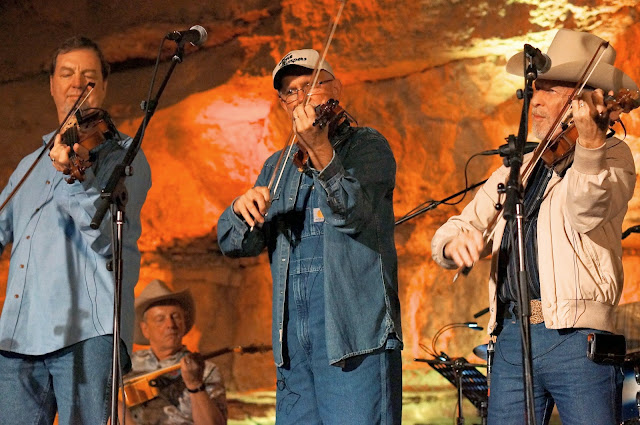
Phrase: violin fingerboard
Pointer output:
(70, 137)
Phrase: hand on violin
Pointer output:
(591, 118)
(312, 138)
(192, 369)
(253, 205)
(465, 248)
(60, 152)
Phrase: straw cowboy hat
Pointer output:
(156, 292)
(570, 53)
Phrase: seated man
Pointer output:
(195, 395)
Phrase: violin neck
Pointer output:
(70, 137)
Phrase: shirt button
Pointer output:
(48, 182)
(283, 259)
(16, 296)
(28, 237)
(37, 209)
(22, 266)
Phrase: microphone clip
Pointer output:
(196, 35)
(536, 62)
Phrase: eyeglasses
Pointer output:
(291, 95)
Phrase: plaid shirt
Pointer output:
(173, 404)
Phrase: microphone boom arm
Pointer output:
(434, 204)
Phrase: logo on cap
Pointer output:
(289, 59)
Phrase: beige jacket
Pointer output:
(579, 236)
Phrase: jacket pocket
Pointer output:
(598, 285)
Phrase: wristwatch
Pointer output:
(197, 390)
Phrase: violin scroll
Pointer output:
(328, 113)
(625, 100)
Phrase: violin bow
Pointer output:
(76, 106)
(542, 147)
(282, 159)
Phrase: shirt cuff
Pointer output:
(331, 169)
(589, 161)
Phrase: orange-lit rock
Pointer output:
(208, 148)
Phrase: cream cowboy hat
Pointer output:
(155, 292)
(570, 53)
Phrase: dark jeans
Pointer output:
(75, 381)
(584, 392)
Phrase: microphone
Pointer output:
(541, 61)
(505, 150)
(195, 35)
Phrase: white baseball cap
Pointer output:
(306, 58)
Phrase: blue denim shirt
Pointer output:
(362, 308)
(59, 291)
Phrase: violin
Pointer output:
(89, 128)
(142, 388)
(559, 151)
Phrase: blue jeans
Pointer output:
(366, 390)
(75, 381)
(584, 392)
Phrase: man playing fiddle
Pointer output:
(572, 228)
(56, 327)
(328, 230)
(196, 394)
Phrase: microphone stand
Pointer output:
(513, 213)
(114, 196)
(630, 230)
(504, 150)
(434, 204)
